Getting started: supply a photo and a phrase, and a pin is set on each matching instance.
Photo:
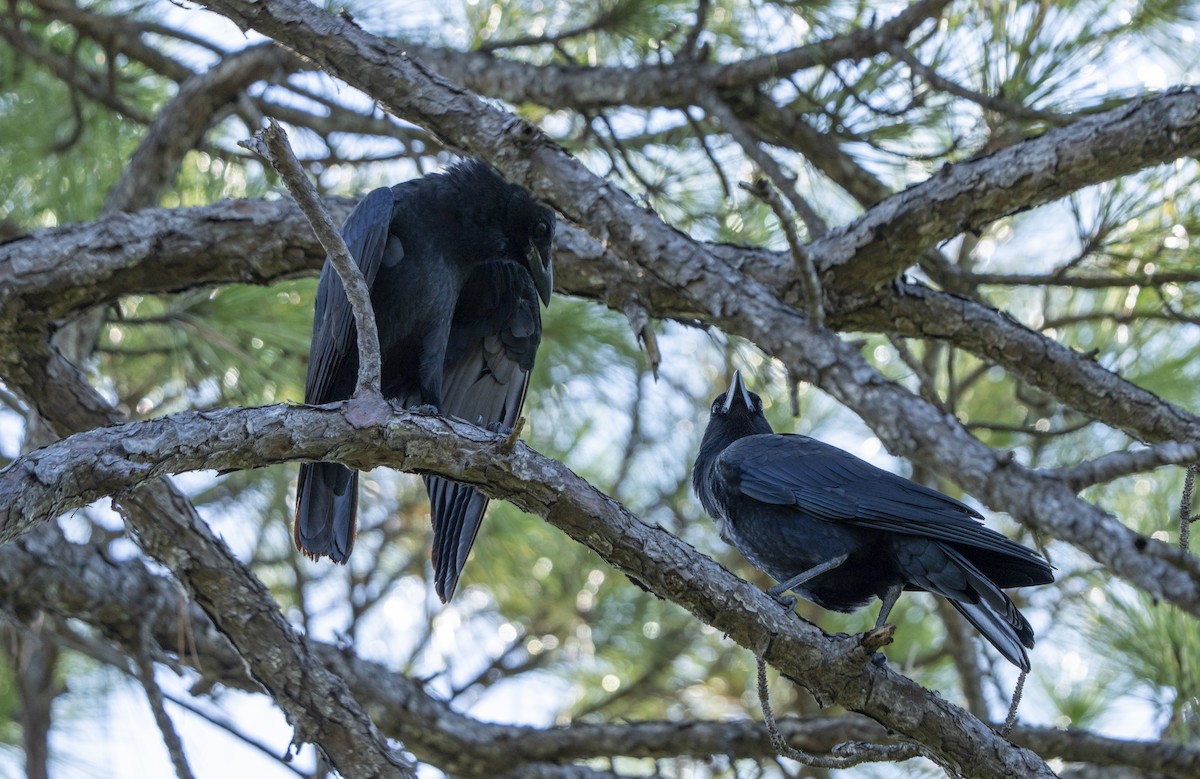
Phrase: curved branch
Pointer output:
(963, 197)
(181, 124)
(1071, 377)
(837, 669)
(1117, 464)
(42, 572)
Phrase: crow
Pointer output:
(839, 531)
(456, 263)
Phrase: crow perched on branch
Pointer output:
(839, 531)
(455, 263)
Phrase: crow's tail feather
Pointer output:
(456, 511)
(326, 511)
(992, 613)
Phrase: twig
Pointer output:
(719, 110)
(998, 104)
(233, 731)
(1186, 517)
(844, 755)
(1011, 719)
(643, 331)
(688, 49)
(272, 145)
(154, 695)
(1117, 464)
(809, 283)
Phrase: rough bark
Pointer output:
(364, 433)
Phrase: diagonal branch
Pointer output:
(836, 669)
(182, 123)
(963, 197)
(41, 571)
(272, 144)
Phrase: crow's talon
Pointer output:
(787, 601)
(425, 410)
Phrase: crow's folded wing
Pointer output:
(495, 335)
(827, 483)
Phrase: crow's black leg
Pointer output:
(889, 599)
(777, 592)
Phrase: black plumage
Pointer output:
(840, 532)
(456, 263)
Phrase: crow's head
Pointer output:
(500, 220)
(738, 409)
(532, 224)
(737, 399)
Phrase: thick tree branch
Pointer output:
(963, 197)
(51, 273)
(836, 669)
(672, 84)
(318, 704)
(41, 571)
(1074, 379)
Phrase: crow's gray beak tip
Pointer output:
(737, 389)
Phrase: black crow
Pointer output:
(839, 531)
(455, 263)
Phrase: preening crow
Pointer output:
(839, 531)
(455, 263)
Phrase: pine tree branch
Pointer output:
(179, 126)
(738, 291)
(79, 469)
(41, 571)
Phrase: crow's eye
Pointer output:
(541, 230)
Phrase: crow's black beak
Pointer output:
(737, 389)
(542, 270)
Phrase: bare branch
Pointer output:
(145, 668)
(845, 755)
(77, 469)
(1155, 279)
(1117, 464)
(180, 125)
(784, 182)
(272, 144)
(814, 307)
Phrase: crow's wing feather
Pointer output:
(496, 331)
(333, 356)
(830, 484)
